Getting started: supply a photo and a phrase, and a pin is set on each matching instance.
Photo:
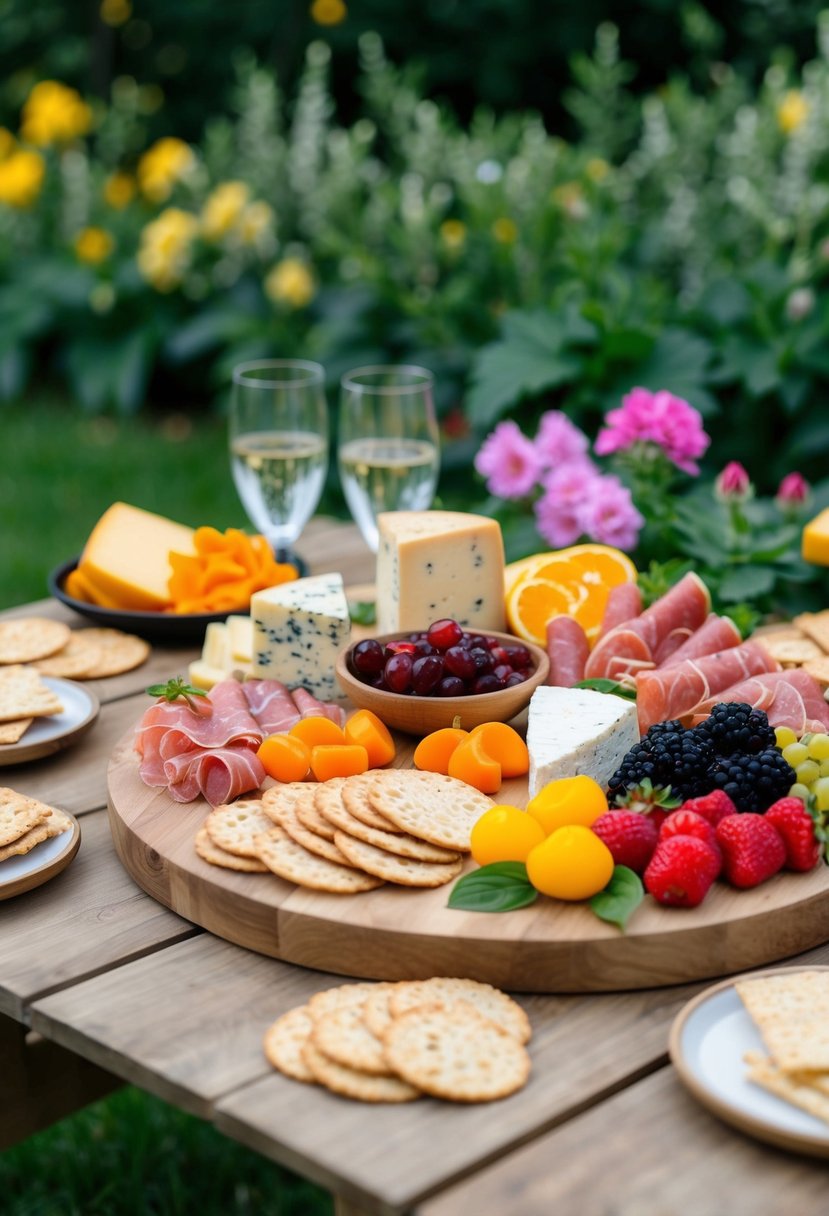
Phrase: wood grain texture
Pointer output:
(393, 933)
(650, 1151)
(87, 920)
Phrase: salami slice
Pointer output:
(623, 604)
(673, 692)
(679, 612)
(717, 633)
(568, 649)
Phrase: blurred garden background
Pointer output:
(546, 204)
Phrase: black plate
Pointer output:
(154, 626)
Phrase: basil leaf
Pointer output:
(622, 896)
(609, 686)
(363, 612)
(499, 887)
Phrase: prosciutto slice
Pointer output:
(230, 719)
(623, 604)
(568, 650)
(309, 707)
(661, 629)
(673, 692)
(220, 774)
(272, 705)
(717, 633)
(790, 698)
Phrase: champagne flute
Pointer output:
(389, 447)
(279, 446)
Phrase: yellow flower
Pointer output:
(453, 234)
(54, 113)
(328, 12)
(597, 169)
(570, 197)
(21, 178)
(115, 12)
(93, 245)
(119, 190)
(162, 165)
(256, 221)
(290, 282)
(7, 143)
(164, 252)
(505, 230)
(792, 111)
(223, 209)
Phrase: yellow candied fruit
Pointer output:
(569, 800)
(571, 864)
(504, 833)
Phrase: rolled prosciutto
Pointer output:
(673, 692)
(567, 649)
(623, 604)
(660, 629)
(221, 774)
(271, 704)
(789, 698)
(717, 633)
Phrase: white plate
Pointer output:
(709, 1038)
(44, 861)
(46, 735)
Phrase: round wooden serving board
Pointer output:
(396, 934)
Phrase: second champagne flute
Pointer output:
(389, 447)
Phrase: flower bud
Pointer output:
(793, 492)
(800, 303)
(733, 484)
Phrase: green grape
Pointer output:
(795, 753)
(820, 789)
(818, 747)
(799, 791)
(784, 736)
(807, 772)
(824, 768)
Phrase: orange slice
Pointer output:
(575, 581)
(533, 602)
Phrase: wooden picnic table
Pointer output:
(100, 984)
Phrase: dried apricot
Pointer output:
(370, 732)
(470, 762)
(285, 758)
(317, 729)
(572, 864)
(506, 746)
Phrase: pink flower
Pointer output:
(558, 512)
(609, 515)
(792, 492)
(733, 484)
(660, 418)
(509, 462)
(558, 440)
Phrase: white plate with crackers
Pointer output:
(36, 842)
(736, 1063)
(32, 737)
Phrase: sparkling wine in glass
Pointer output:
(279, 446)
(389, 447)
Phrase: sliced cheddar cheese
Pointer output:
(126, 560)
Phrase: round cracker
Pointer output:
(431, 806)
(376, 1012)
(344, 994)
(312, 817)
(456, 1054)
(278, 796)
(354, 1084)
(343, 1036)
(234, 826)
(449, 991)
(400, 843)
(287, 817)
(284, 1041)
(120, 652)
(78, 657)
(405, 871)
(211, 852)
(291, 861)
(356, 788)
(28, 638)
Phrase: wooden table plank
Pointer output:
(650, 1151)
(87, 920)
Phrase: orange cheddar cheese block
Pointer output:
(126, 561)
(816, 540)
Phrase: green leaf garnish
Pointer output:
(499, 887)
(622, 896)
(176, 688)
(363, 612)
(609, 686)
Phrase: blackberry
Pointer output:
(734, 726)
(753, 783)
(668, 755)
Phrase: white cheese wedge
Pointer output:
(299, 629)
(434, 564)
(215, 651)
(240, 638)
(576, 730)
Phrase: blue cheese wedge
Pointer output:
(574, 730)
(298, 630)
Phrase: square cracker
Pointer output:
(798, 1089)
(24, 695)
(18, 815)
(13, 732)
(819, 669)
(791, 1011)
(816, 626)
(790, 651)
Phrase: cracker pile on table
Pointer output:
(801, 642)
(791, 1011)
(349, 834)
(448, 1038)
(25, 822)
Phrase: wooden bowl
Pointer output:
(420, 715)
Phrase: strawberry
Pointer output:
(713, 807)
(630, 836)
(752, 848)
(688, 823)
(797, 827)
(647, 799)
(681, 871)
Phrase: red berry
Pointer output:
(681, 871)
(752, 849)
(689, 823)
(713, 807)
(794, 823)
(444, 633)
(631, 837)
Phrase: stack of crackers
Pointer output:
(791, 1011)
(450, 1038)
(32, 647)
(802, 642)
(25, 822)
(349, 834)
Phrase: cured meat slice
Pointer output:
(623, 604)
(308, 706)
(679, 612)
(790, 698)
(568, 650)
(230, 720)
(271, 705)
(716, 634)
(672, 692)
(631, 654)
(221, 774)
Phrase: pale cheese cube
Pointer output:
(240, 638)
(575, 730)
(216, 652)
(203, 675)
(299, 629)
